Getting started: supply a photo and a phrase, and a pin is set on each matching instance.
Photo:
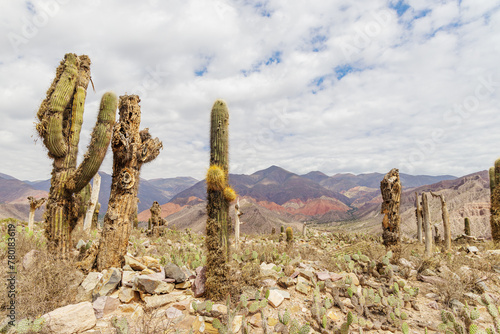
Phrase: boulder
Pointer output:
(126, 295)
(134, 263)
(173, 271)
(199, 282)
(104, 305)
(88, 285)
(108, 283)
(275, 298)
(74, 318)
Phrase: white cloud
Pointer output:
(331, 86)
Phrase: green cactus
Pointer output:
(467, 226)
(289, 234)
(219, 222)
(59, 124)
(282, 229)
(404, 328)
(305, 329)
(495, 201)
(209, 305)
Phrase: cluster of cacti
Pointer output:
(219, 196)
(495, 201)
(60, 120)
(292, 325)
(451, 324)
(494, 312)
(390, 187)
(467, 226)
(132, 148)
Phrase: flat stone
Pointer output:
(108, 283)
(302, 288)
(146, 284)
(256, 320)
(267, 266)
(187, 323)
(128, 277)
(268, 282)
(134, 263)
(74, 318)
(272, 274)
(127, 268)
(323, 276)
(183, 285)
(332, 315)
(303, 280)
(164, 287)
(183, 305)
(152, 263)
(286, 282)
(161, 300)
(335, 277)
(307, 274)
(173, 271)
(127, 295)
(472, 249)
(237, 322)
(275, 298)
(405, 263)
(105, 305)
(148, 271)
(172, 313)
(284, 293)
(158, 275)
(220, 308)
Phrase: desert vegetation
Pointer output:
(126, 278)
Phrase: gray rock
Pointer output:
(108, 283)
(286, 282)
(198, 286)
(104, 305)
(88, 285)
(30, 258)
(80, 244)
(173, 271)
(146, 284)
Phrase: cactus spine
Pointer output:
(218, 222)
(131, 149)
(59, 124)
(495, 201)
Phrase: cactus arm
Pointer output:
(150, 147)
(219, 136)
(58, 99)
(100, 139)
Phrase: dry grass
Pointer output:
(44, 286)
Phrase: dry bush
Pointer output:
(153, 321)
(44, 286)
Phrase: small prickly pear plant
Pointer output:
(60, 119)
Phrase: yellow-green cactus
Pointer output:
(60, 119)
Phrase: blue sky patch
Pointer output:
(400, 7)
(342, 70)
(275, 58)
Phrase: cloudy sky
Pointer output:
(335, 86)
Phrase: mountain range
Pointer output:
(274, 196)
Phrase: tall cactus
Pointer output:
(219, 196)
(131, 149)
(390, 187)
(495, 201)
(60, 119)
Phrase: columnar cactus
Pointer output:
(219, 196)
(289, 234)
(467, 226)
(418, 214)
(131, 149)
(60, 120)
(390, 187)
(495, 201)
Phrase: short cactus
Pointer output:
(467, 226)
(289, 234)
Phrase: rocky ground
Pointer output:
(319, 283)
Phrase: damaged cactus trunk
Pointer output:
(131, 149)
(390, 188)
(60, 120)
